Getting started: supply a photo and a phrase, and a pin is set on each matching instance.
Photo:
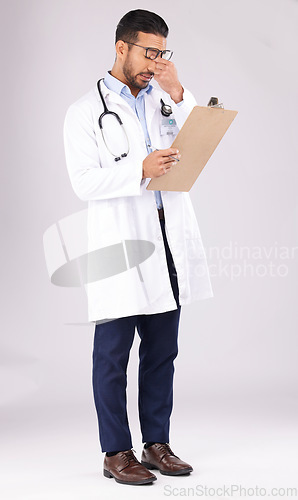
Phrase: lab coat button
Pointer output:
(159, 237)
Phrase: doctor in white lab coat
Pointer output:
(121, 209)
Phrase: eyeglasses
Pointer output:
(152, 53)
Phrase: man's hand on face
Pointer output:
(166, 76)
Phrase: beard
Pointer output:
(131, 78)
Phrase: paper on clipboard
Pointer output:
(196, 141)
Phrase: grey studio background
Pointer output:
(235, 404)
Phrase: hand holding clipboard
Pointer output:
(196, 141)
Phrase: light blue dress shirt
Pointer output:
(137, 104)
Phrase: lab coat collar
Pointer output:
(152, 101)
(115, 97)
(120, 88)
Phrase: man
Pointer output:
(110, 163)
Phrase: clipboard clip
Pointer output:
(213, 103)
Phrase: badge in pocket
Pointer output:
(168, 126)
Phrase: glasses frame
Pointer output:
(151, 48)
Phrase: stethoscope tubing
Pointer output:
(106, 112)
(166, 111)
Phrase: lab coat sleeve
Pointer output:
(90, 181)
(181, 112)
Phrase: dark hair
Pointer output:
(140, 20)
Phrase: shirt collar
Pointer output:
(120, 88)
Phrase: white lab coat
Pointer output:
(120, 208)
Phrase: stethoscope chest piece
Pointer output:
(165, 109)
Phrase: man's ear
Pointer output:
(121, 49)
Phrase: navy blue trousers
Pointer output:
(157, 351)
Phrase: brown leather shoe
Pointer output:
(126, 469)
(160, 456)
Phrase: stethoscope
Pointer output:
(165, 110)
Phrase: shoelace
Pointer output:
(129, 456)
(166, 448)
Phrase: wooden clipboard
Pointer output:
(196, 141)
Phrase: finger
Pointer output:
(169, 159)
(166, 161)
(169, 151)
(164, 170)
(160, 71)
(162, 63)
(169, 164)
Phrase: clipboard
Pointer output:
(197, 140)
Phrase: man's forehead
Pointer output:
(151, 40)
